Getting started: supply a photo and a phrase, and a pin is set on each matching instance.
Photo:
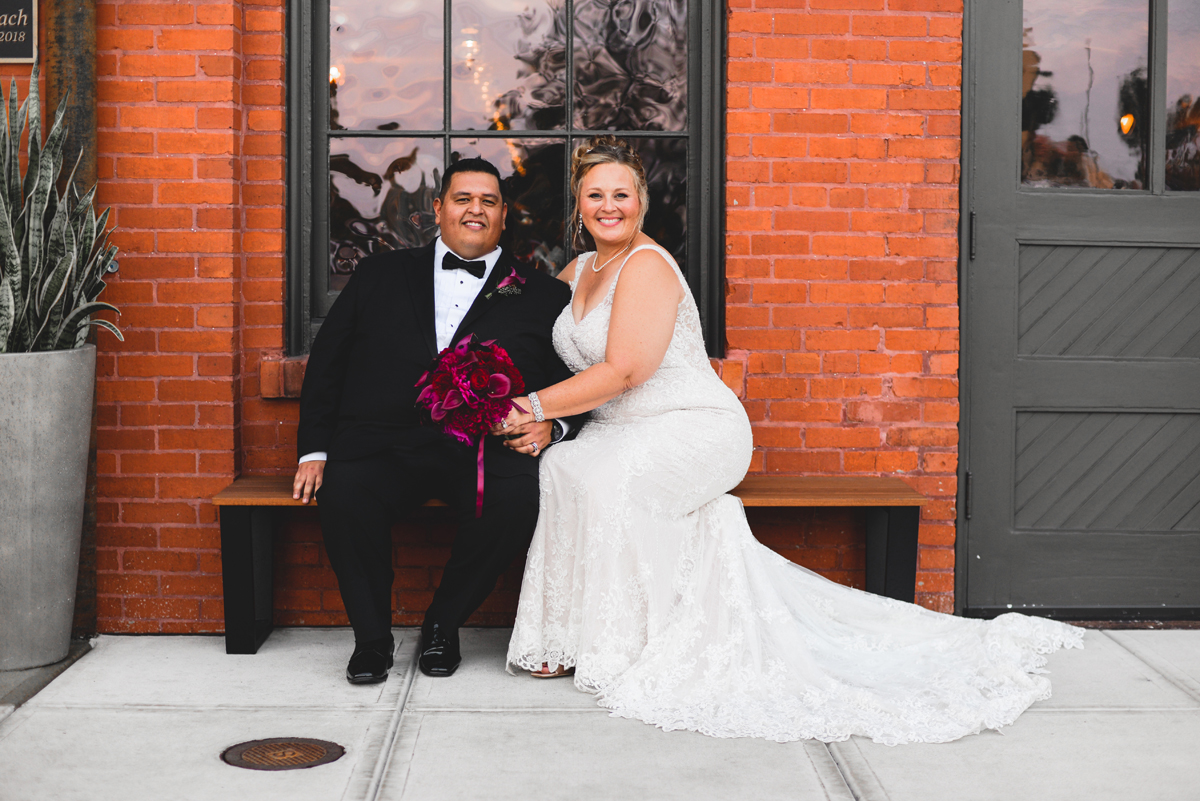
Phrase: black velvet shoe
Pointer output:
(370, 662)
(439, 651)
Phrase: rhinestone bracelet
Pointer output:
(537, 407)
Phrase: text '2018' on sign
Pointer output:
(18, 31)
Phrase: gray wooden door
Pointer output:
(1081, 309)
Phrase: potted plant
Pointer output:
(54, 253)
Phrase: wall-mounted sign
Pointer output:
(18, 31)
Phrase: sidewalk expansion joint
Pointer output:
(215, 707)
(389, 740)
(1076, 710)
(507, 709)
(860, 778)
(1163, 668)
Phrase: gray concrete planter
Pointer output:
(45, 423)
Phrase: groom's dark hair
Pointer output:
(475, 164)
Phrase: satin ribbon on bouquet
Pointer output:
(467, 391)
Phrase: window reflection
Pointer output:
(631, 65)
(381, 195)
(508, 65)
(1183, 96)
(1084, 109)
(532, 171)
(385, 65)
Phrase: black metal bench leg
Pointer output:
(246, 545)
(892, 551)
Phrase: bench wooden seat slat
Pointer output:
(757, 490)
(248, 520)
(772, 490)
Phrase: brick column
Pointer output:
(172, 133)
(842, 199)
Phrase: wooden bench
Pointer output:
(248, 506)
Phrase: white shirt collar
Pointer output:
(440, 250)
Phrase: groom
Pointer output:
(364, 453)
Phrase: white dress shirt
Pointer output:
(453, 293)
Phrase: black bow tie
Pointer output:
(452, 262)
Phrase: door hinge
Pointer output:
(971, 234)
(967, 497)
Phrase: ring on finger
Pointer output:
(535, 449)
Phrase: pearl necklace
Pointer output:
(596, 269)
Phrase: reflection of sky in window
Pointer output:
(389, 55)
(489, 37)
(374, 156)
(1183, 50)
(1118, 30)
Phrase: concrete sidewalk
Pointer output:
(148, 717)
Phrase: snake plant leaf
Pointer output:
(54, 250)
(35, 134)
(105, 324)
(11, 188)
(16, 198)
(55, 288)
(54, 312)
(78, 321)
(37, 203)
(10, 262)
(7, 311)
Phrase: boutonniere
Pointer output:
(509, 285)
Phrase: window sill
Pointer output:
(281, 379)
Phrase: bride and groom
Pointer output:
(642, 579)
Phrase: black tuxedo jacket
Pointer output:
(359, 395)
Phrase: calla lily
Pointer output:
(510, 279)
(499, 385)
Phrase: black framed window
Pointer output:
(385, 93)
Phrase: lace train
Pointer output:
(644, 576)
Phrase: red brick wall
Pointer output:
(842, 197)
(842, 319)
(190, 119)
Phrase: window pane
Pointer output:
(385, 65)
(508, 65)
(1085, 111)
(665, 162)
(532, 170)
(381, 195)
(1183, 95)
(631, 65)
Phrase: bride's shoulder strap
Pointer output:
(581, 262)
(667, 257)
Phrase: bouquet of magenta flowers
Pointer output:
(467, 391)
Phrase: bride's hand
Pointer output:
(515, 417)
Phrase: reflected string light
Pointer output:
(1126, 123)
(335, 75)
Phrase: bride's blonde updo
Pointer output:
(605, 149)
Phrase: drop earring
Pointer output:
(581, 223)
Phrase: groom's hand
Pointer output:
(525, 436)
(309, 476)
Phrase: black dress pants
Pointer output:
(359, 500)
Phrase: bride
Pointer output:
(643, 579)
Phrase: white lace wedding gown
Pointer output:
(644, 575)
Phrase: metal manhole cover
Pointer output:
(282, 753)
